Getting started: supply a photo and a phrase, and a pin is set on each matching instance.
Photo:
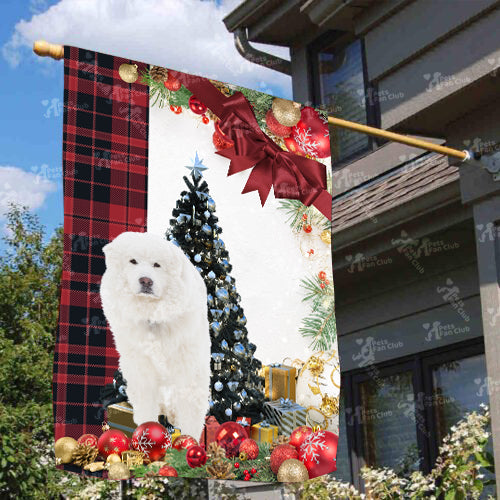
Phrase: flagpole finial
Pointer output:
(46, 49)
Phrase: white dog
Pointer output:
(156, 304)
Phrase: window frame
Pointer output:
(338, 39)
(420, 364)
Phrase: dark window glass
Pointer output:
(343, 472)
(342, 90)
(459, 387)
(388, 422)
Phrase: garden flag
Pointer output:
(196, 325)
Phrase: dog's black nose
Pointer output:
(146, 282)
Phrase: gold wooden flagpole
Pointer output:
(43, 48)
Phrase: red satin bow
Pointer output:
(290, 175)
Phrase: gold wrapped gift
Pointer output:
(121, 416)
(280, 381)
(264, 432)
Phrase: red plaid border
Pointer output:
(105, 165)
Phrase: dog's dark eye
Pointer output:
(156, 264)
(133, 261)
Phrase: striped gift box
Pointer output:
(286, 414)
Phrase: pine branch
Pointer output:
(295, 210)
(320, 327)
(161, 96)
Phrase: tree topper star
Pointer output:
(197, 167)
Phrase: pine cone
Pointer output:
(220, 469)
(222, 87)
(278, 441)
(84, 454)
(158, 74)
(215, 452)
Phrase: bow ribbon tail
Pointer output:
(261, 180)
(324, 204)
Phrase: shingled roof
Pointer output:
(399, 186)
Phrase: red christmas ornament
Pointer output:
(311, 134)
(322, 275)
(250, 447)
(319, 453)
(196, 106)
(196, 456)
(220, 140)
(292, 146)
(205, 119)
(237, 465)
(183, 442)
(112, 441)
(298, 435)
(307, 228)
(171, 83)
(152, 439)
(253, 471)
(281, 453)
(230, 436)
(275, 126)
(89, 440)
(168, 471)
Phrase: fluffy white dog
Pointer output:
(156, 304)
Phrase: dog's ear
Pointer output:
(109, 250)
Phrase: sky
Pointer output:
(187, 35)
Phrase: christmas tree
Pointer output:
(236, 387)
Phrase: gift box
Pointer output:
(280, 381)
(264, 432)
(246, 423)
(286, 414)
(121, 416)
(209, 431)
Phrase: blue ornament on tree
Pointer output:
(228, 412)
(215, 326)
(206, 229)
(188, 237)
(218, 386)
(232, 385)
(237, 406)
(222, 294)
(211, 275)
(210, 299)
(237, 334)
(224, 345)
(239, 349)
(207, 214)
(197, 258)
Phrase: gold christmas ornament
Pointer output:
(315, 365)
(64, 449)
(158, 74)
(329, 406)
(113, 459)
(84, 454)
(158, 463)
(134, 458)
(118, 470)
(286, 112)
(220, 469)
(292, 471)
(128, 72)
(326, 237)
(243, 456)
(95, 466)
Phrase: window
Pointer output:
(397, 413)
(339, 85)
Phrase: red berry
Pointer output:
(253, 471)
(322, 275)
(307, 228)
(205, 120)
(304, 217)
(322, 285)
(245, 472)
(246, 478)
(327, 282)
(176, 109)
(237, 465)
